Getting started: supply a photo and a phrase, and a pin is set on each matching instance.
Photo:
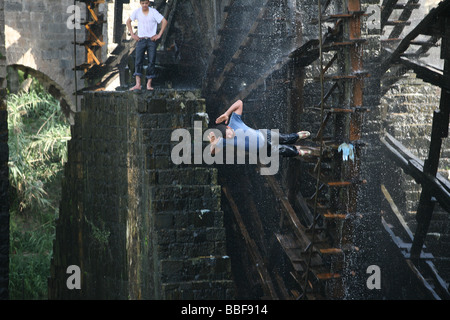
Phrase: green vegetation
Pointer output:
(38, 135)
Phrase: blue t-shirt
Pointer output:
(245, 138)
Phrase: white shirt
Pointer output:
(147, 24)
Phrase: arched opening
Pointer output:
(48, 84)
(38, 134)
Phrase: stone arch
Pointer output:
(52, 88)
(38, 41)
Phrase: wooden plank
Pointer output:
(298, 228)
(282, 286)
(424, 24)
(396, 212)
(328, 276)
(414, 167)
(342, 110)
(428, 268)
(404, 16)
(398, 242)
(339, 216)
(440, 284)
(386, 11)
(439, 131)
(168, 13)
(218, 47)
(303, 205)
(292, 251)
(441, 194)
(296, 253)
(427, 73)
(397, 23)
(324, 179)
(407, 5)
(256, 219)
(328, 94)
(266, 281)
(246, 42)
(331, 251)
(422, 280)
(305, 49)
(94, 37)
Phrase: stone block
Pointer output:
(157, 106)
(13, 6)
(149, 121)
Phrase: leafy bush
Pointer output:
(38, 135)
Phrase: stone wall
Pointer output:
(4, 202)
(39, 41)
(138, 226)
(407, 115)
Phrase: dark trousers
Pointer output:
(145, 45)
(284, 141)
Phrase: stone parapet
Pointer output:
(139, 226)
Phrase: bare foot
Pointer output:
(149, 84)
(136, 87)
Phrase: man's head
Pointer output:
(145, 4)
(227, 132)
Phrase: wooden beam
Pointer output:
(404, 16)
(396, 212)
(424, 270)
(427, 73)
(298, 228)
(245, 43)
(168, 14)
(266, 281)
(414, 167)
(217, 47)
(386, 10)
(422, 280)
(439, 131)
(426, 23)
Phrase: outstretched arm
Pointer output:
(236, 107)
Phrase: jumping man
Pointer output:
(233, 122)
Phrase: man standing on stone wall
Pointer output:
(148, 20)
